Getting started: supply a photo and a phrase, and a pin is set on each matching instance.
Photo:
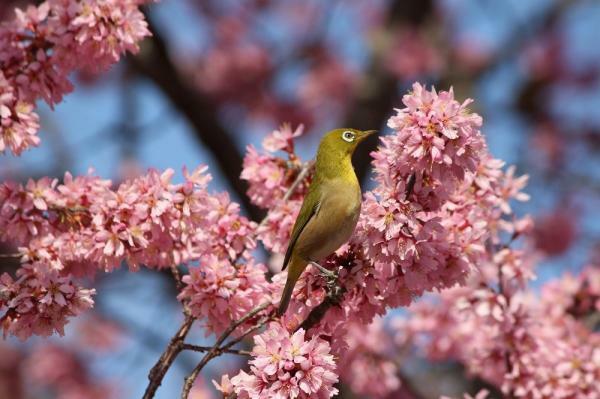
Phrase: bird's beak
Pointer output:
(367, 133)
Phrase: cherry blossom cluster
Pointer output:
(148, 220)
(43, 44)
(404, 245)
(440, 201)
(220, 292)
(285, 365)
(40, 301)
(507, 336)
(18, 122)
(369, 358)
(436, 141)
(82, 225)
(269, 176)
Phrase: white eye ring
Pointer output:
(348, 136)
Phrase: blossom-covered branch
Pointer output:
(405, 244)
(206, 296)
(75, 229)
(43, 44)
(435, 219)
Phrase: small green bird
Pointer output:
(330, 209)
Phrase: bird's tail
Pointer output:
(296, 267)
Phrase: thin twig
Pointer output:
(177, 276)
(299, 179)
(258, 325)
(17, 255)
(157, 373)
(198, 348)
(215, 350)
(305, 169)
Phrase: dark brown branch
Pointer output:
(177, 343)
(157, 373)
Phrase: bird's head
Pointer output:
(343, 141)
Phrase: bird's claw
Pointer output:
(328, 274)
(334, 291)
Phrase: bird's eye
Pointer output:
(348, 136)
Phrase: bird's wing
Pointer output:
(310, 208)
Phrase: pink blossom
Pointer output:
(368, 359)
(44, 43)
(267, 174)
(282, 139)
(28, 54)
(275, 231)
(18, 123)
(225, 386)
(436, 138)
(220, 292)
(105, 30)
(287, 365)
(40, 302)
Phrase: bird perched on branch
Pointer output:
(330, 209)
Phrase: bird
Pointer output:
(330, 209)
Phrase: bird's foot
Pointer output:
(328, 274)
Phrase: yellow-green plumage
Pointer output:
(330, 209)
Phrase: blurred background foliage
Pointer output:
(218, 75)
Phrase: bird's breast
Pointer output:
(335, 221)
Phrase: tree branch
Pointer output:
(177, 343)
(197, 348)
(216, 350)
(157, 373)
